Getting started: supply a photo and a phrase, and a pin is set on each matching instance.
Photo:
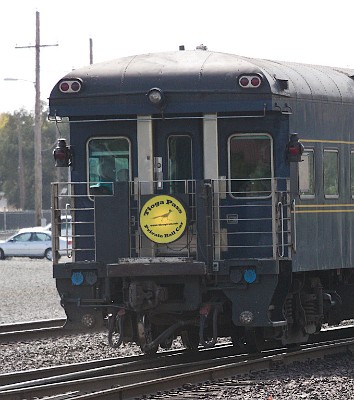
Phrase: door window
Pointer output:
(250, 165)
(179, 162)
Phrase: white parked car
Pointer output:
(30, 242)
(66, 226)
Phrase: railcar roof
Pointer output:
(207, 71)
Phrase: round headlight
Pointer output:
(156, 96)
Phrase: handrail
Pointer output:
(281, 211)
(293, 206)
(258, 229)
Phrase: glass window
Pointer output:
(307, 174)
(179, 162)
(330, 173)
(108, 162)
(23, 237)
(250, 165)
(41, 237)
(352, 172)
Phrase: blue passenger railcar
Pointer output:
(210, 195)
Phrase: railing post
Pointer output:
(204, 212)
(55, 230)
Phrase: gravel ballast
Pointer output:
(27, 292)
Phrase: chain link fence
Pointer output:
(12, 221)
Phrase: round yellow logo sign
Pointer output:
(163, 219)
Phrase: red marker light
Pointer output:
(255, 81)
(294, 151)
(250, 81)
(75, 86)
(59, 155)
(244, 81)
(70, 86)
(64, 87)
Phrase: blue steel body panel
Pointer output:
(196, 81)
(316, 101)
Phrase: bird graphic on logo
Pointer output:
(163, 216)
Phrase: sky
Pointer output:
(307, 31)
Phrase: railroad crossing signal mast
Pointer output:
(37, 126)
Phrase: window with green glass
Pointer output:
(330, 173)
(250, 165)
(307, 174)
(108, 161)
(179, 162)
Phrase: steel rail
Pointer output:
(99, 367)
(157, 377)
(26, 330)
(24, 326)
(207, 375)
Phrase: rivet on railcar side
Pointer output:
(210, 195)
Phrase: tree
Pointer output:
(17, 158)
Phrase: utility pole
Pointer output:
(37, 127)
(21, 170)
(91, 51)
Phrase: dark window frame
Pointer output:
(231, 180)
(325, 169)
(108, 153)
(312, 195)
(175, 185)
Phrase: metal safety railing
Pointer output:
(251, 221)
(73, 222)
(243, 223)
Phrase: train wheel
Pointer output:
(145, 329)
(115, 338)
(190, 339)
(250, 341)
(238, 337)
(255, 340)
(167, 344)
(239, 342)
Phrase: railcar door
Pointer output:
(176, 159)
(250, 172)
(177, 154)
(247, 207)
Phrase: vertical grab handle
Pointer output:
(293, 206)
(282, 247)
(67, 213)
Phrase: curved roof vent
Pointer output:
(201, 47)
(282, 82)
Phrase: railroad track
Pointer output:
(31, 329)
(130, 377)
